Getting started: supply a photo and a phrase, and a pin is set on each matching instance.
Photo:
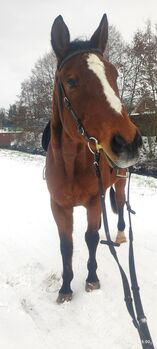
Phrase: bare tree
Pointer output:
(34, 106)
(143, 75)
(36, 93)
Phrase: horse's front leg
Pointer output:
(120, 200)
(92, 239)
(64, 221)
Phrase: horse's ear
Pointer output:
(100, 36)
(60, 37)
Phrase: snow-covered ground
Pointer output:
(30, 267)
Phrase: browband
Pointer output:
(67, 58)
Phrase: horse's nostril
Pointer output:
(118, 144)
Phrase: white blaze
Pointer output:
(95, 64)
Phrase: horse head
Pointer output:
(89, 82)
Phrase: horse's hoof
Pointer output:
(64, 298)
(121, 238)
(91, 286)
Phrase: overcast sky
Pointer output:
(25, 31)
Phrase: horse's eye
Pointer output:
(72, 82)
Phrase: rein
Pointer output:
(138, 317)
(136, 311)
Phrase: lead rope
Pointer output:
(140, 321)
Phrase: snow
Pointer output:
(30, 273)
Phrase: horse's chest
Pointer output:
(77, 191)
(74, 183)
(83, 187)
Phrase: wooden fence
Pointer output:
(7, 138)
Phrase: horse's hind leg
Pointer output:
(92, 239)
(120, 200)
(64, 221)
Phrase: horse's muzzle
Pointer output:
(127, 153)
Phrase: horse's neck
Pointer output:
(73, 153)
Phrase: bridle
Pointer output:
(135, 310)
(90, 139)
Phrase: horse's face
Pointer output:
(89, 82)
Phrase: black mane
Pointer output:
(78, 45)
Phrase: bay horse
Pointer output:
(86, 102)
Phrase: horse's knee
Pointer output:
(63, 217)
(94, 214)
